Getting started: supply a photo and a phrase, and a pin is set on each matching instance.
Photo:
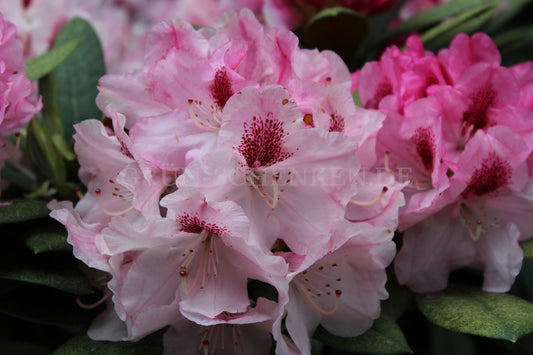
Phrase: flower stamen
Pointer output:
(371, 202)
(275, 198)
(106, 211)
(95, 304)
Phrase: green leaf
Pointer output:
(76, 79)
(385, 337)
(48, 270)
(356, 98)
(468, 310)
(22, 210)
(468, 21)
(527, 247)
(82, 345)
(38, 67)
(46, 306)
(339, 29)
(42, 239)
(10, 172)
(433, 16)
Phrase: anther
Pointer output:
(205, 346)
(106, 211)
(195, 121)
(78, 193)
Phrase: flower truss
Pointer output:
(234, 193)
(233, 156)
(19, 101)
(464, 125)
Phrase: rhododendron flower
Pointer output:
(265, 143)
(203, 256)
(462, 126)
(268, 162)
(117, 184)
(39, 22)
(18, 99)
(340, 289)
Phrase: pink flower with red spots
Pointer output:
(461, 125)
(265, 147)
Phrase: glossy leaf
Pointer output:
(38, 67)
(83, 345)
(21, 210)
(51, 271)
(433, 16)
(339, 29)
(46, 306)
(46, 239)
(385, 337)
(76, 79)
(468, 310)
(17, 177)
(468, 21)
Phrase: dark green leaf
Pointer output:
(433, 16)
(53, 271)
(468, 21)
(385, 337)
(46, 306)
(22, 210)
(17, 177)
(77, 77)
(41, 239)
(40, 66)
(528, 248)
(82, 345)
(468, 310)
(339, 29)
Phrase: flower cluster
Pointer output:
(18, 99)
(460, 123)
(235, 158)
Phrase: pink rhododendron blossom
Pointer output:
(339, 287)
(460, 124)
(117, 184)
(39, 22)
(270, 164)
(265, 146)
(18, 100)
(203, 255)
